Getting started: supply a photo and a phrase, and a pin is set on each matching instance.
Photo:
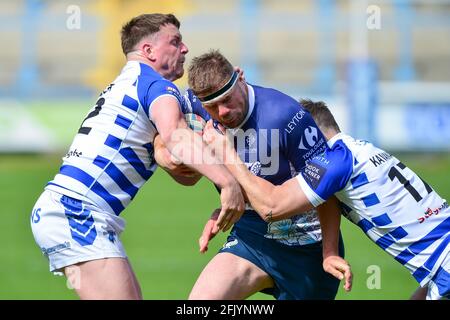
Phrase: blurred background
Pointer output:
(383, 67)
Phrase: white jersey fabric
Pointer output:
(111, 157)
(77, 217)
(397, 210)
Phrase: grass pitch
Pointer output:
(163, 225)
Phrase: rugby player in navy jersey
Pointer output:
(392, 205)
(76, 221)
(275, 137)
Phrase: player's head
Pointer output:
(221, 89)
(322, 116)
(156, 39)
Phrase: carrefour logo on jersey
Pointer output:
(310, 141)
(310, 136)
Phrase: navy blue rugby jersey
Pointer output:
(276, 140)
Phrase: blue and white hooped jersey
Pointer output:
(397, 210)
(275, 140)
(111, 157)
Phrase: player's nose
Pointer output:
(223, 112)
(184, 48)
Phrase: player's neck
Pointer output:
(136, 56)
(330, 134)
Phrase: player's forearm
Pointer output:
(178, 172)
(330, 219)
(189, 149)
(272, 202)
(258, 190)
(185, 145)
(185, 181)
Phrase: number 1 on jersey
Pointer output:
(394, 173)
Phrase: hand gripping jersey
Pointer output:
(275, 140)
(397, 210)
(111, 157)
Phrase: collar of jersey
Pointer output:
(251, 106)
(335, 138)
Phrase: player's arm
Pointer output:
(330, 220)
(178, 171)
(271, 202)
(209, 231)
(189, 149)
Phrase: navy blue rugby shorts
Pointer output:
(296, 270)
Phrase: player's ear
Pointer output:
(149, 50)
(240, 72)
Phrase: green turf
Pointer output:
(163, 225)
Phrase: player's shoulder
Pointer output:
(150, 89)
(273, 97)
(193, 105)
(149, 81)
(281, 107)
(192, 102)
(337, 157)
(362, 150)
(330, 171)
(157, 85)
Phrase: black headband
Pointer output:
(222, 90)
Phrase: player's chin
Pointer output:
(231, 123)
(180, 70)
(179, 74)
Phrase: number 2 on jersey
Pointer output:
(395, 173)
(98, 106)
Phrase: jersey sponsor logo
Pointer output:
(35, 217)
(294, 121)
(322, 159)
(54, 249)
(229, 244)
(108, 88)
(74, 153)
(313, 174)
(174, 91)
(318, 148)
(430, 212)
(311, 134)
(111, 235)
(380, 158)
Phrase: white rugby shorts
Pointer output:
(439, 285)
(69, 231)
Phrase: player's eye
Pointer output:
(176, 42)
(226, 100)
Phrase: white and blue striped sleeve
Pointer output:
(326, 174)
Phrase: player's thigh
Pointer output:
(109, 278)
(229, 277)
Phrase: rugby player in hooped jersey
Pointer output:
(393, 206)
(275, 137)
(76, 220)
